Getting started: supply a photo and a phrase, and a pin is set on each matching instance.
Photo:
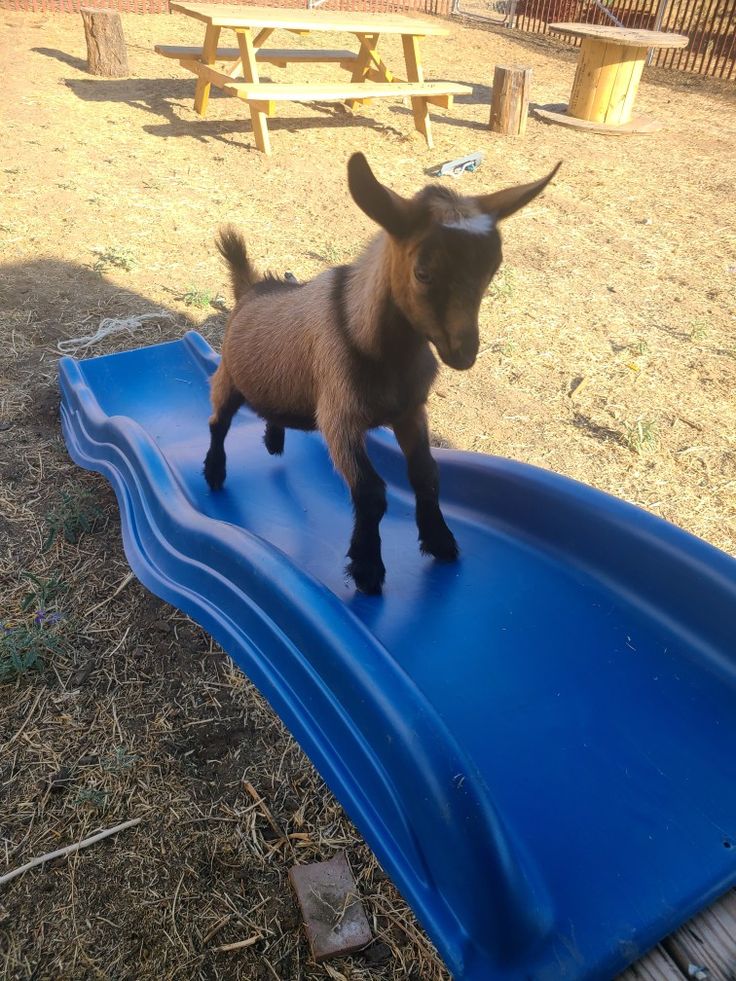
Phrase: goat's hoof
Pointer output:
(367, 575)
(274, 440)
(440, 545)
(214, 472)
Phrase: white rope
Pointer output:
(110, 325)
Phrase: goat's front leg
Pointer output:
(435, 538)
(346, 444)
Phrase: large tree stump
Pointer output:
(106, 51)
(510, 100)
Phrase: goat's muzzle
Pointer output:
(462, 355)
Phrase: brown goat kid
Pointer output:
(350, 350)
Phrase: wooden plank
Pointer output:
(206, 72)
(627, 108)
(250, 72)
(262, 36)
(368, 44)
(209, 52)
(329, 91)
(415, 73)
(582, 96)
(558, 114)
(616, 109)
(707, 941)
(656, 966)
(629, 37)
(353, 22)
(265, 55)
(604, 83)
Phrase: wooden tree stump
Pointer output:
(106, 51)
(510, 100)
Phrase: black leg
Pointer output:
(214, 462)
(369, 505)
(435, 538)
(273, 439)
(345, 439)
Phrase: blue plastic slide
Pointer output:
(538, 742)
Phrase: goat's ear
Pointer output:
(381, 204)
(504, 203)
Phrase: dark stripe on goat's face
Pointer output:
(459, 265)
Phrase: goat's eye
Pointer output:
(422, 276)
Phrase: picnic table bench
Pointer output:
(370, 77)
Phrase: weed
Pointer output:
(120, 760)
(506, 348)
(198, 298)
(113, 258)
(76, 513)
(92, 796)
(332, 254)
(502, 285)
(698, 330)
(43, 594)
(639, 347)
(640, 436)
(25, 648)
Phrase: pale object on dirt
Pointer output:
(110, 325)
(69, 850)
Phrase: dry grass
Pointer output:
(609, 355)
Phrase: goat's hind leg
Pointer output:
(435, 538)
(226, 400)
(273, 438)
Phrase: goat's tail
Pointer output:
(231, 246)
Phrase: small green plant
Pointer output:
(76, 513)
(698, 330)
(641, 435)
(92, 796)
(506, 348)
(639, 347)
(120, 760)
(198, 298)
(113, 258)
(332, 254)
(25, 648)
(502, 285)
(43, 593)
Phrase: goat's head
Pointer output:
(445, 249)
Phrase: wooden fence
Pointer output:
(710, 24)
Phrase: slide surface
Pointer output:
(538, 742)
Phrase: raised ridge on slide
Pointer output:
(537, 741)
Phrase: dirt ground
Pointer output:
(622, 277)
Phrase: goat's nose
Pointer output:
(466, 349)
(463, 353)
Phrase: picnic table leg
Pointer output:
(368, 45)
(209, 56)
(258, 114)
(415, 73)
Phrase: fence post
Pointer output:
(657, 25)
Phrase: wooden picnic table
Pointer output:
(607, 77)
(370, 77)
